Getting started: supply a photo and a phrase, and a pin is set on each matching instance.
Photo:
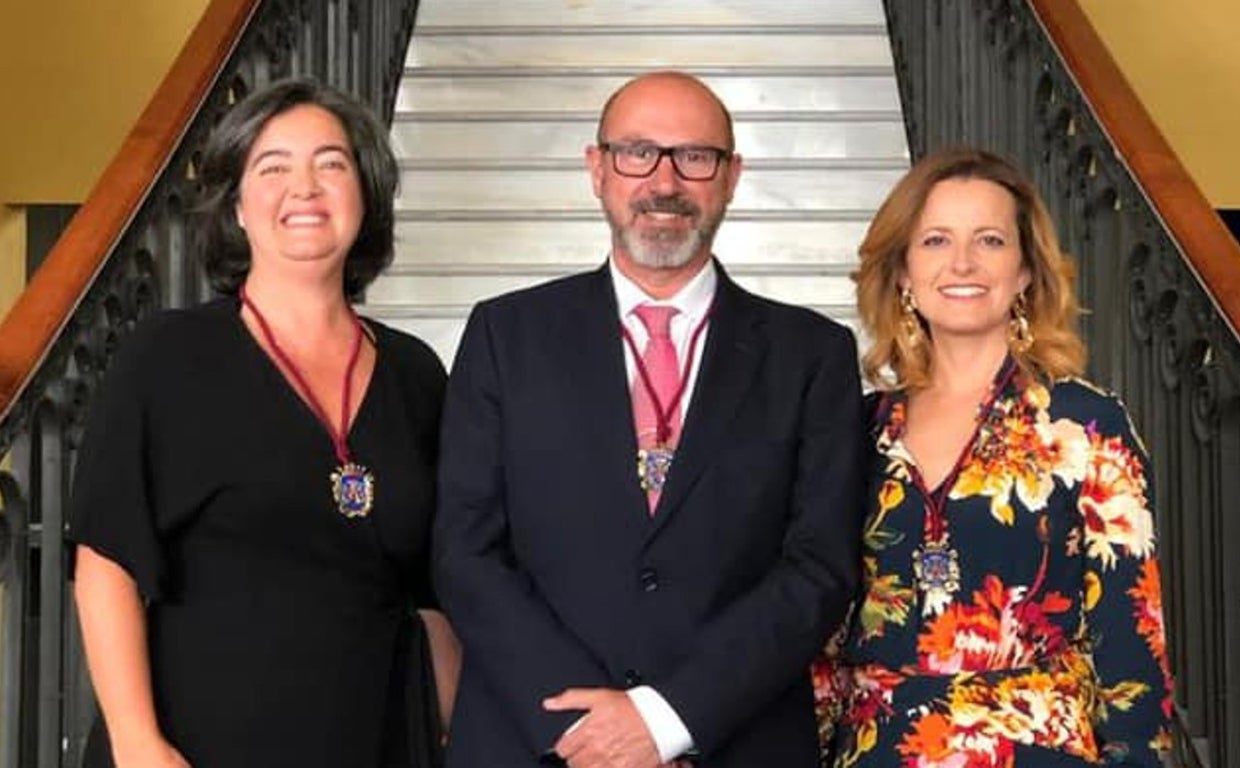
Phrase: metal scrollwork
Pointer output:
(333, 40)
(1154, 334)
(1166, 337)
(1140, 293)
(8, 504)
(1205, 406)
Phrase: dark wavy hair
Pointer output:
(218, 240)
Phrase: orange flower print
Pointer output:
(981, 721)
(1019, 451)
(1000, 630)
(929, 745)
(1147, 610)
(1112, 502)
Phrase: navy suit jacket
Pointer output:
(553, 571)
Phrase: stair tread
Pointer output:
(516, 268)
(857, 29)
(820, 164)
(461, 311)
(498, 99)
(581, 12)
(578, 214)
(591, 116)
(533, 72)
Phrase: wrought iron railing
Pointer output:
(121, 257)
(1159, 273)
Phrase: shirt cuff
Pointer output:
(670, 735)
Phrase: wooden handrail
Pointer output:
(59, 285)
(1209, 248)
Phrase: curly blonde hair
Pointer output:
(895, 361)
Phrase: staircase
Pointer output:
(499, 100)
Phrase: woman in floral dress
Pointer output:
(1011, 612)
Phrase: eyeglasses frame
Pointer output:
(612, 148)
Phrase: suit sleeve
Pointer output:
(509, 633)
(765, 640)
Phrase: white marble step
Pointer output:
(583, 242)
(500, 99)
(481, 136)
(450, 284)
(520, 13)
(441, 326)
(673, 47)
(519, 90)
(769, 185)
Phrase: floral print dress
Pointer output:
(1012, 616)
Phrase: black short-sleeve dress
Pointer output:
(279, 629)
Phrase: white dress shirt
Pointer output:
(694, 300)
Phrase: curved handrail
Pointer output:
(43, 309)
(1207, 245)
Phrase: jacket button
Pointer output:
(649, 578)
(632, 678)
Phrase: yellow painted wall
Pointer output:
(1183, 61)
(74, 75)
(12, 255)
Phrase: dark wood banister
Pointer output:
(1208, 246)
(58, 286)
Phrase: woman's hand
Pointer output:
(113, 620)
(157, 753)
(446, 659)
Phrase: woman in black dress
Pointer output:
(253, 497)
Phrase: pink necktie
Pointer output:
(663, 372)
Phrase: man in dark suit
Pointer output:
(646, 533)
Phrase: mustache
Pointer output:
(674, 204)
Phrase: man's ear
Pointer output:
(594, 163)
(734, 167)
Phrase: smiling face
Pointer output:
(964, 263)
(300, 200)
(663, 222)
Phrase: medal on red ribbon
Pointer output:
(654, 463)
(352, 485)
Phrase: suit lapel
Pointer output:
(604, 393)
(733, 354)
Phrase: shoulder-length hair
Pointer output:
(893, 360)
(217, 238)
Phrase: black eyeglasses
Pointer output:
(639, 159)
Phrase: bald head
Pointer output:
(667, 89)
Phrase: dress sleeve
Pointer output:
(1123, 596)
(110, 509)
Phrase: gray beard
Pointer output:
(662, 252)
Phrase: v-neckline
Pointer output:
(998, 387)
(283, 383)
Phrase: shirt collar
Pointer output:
(693, 300)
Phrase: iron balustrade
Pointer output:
(986, 73)
(46, 705)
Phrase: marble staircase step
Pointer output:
(556, 185)
(484, 135)
(501, 97)
(525, 13)
(651, 46)
(555, 90)
(451, 284)
(583, 240)
(440, 326)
